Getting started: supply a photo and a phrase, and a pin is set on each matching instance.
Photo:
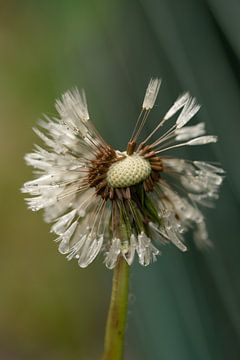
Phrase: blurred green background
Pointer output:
(185, 306)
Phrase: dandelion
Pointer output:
(124, 204)
(121, 203)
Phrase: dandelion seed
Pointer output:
(121, 203)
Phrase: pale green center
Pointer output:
(129, 171)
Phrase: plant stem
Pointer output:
(117, 314)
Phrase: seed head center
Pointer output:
(129, 171)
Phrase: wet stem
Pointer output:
(117, 314)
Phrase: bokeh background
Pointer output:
(185, 306)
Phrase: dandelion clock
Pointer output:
(121, 205)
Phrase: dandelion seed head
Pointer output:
(126, 203)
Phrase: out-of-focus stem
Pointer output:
(117, 314)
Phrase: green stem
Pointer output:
(117, 314)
